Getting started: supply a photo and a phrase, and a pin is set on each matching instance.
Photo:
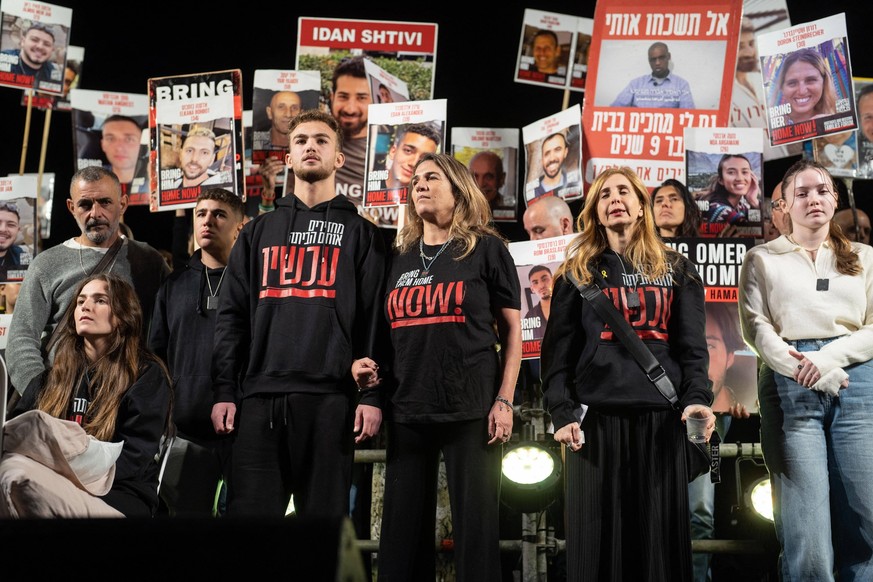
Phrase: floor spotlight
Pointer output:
(759, 498)
(530, 474)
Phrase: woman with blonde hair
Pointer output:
(105, 380)
(453, 306)
(626, 474)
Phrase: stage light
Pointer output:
(759, 498)
(530, 475)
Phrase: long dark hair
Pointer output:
(691, 222)
(109, 377)
(716, 191)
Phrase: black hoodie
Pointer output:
(303, 300)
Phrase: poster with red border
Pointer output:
(48, 49)
(210, 104)
(406, 50)
(72, 74)
(468, 142)
(536, 262)
(733, 366)
(701, 38)
(399, 134)
(546, 48)
(808, 82)
(122, 150)
(267, 82)
(724, 168)
(864, 101)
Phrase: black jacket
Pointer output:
(181, 334)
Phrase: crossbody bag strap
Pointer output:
(107, 259)
(621, 328)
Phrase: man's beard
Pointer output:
(747, 64)
(102, 236)
(313, 175)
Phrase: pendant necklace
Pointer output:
(633, 299)
(821, 284)
(212, 300)
(427, 265)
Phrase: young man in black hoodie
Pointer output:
(302, 303)
(183, 322)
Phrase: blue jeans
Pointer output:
(819, 452)
(701, 504)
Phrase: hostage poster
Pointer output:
(655, 68)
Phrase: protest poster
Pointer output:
(399, 134)
(491, 155)
(195, 124)
(636, 109)
(43, 204)
(733, 367)
(808, 80)
(34, 37)
(579, 71)
(837, 152)
(724, 166)
(108, 132)
(536, 262)
(547, 50)
(748, 104)
(864, 102)
(385, 87)
(72, 74)
(553, 152)
(405, 50)
(18, 196)
(278, 96)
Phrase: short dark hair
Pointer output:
(351, 67)
(537, 269)
(41, 27)
(92, 174)
(865, 90)
(546, 32)
(425, 129)
(224, 197)
(318, 115)
(7, 206)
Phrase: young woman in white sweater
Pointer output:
(806, 308)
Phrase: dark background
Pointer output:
(477, 48)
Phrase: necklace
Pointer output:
(82, 263)
(212, 300)
(425, 265)
(633, 299)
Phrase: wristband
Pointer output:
(263, 208)
(503, 400)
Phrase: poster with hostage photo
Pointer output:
(108, 132)
(808, 80)
(340, 49)
(18, 195)
(33, 45)
(196, 136)
(724, 168)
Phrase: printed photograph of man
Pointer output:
(34, 53)
(11, 254)
(120, 141)
(554, 152)
(284, 106)
(195, 158)
(659, 88)
(487, 169)
(411, 141)
(540, 278)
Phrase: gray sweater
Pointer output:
(48, 288)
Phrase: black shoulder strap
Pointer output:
(622, 329)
